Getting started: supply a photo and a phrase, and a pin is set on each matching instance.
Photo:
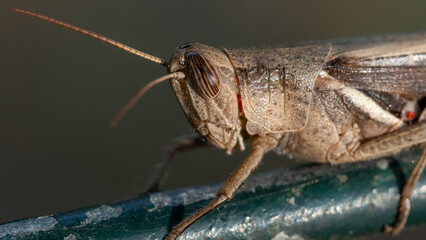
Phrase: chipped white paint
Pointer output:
(382, 164)
(423, 189)
(297, 191)
(192, 195)
(70, 237)
(189, 196)
(263, 181)
(27, 226)
(419, 193)
(100, 214)
(342, 178)
(292, 201)
(283, 236)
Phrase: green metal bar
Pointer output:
(316, 202)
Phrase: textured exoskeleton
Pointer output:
(336, 102)
(331, 102)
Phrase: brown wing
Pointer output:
(394, 65)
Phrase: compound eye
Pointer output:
(201, 74)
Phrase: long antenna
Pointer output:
(123, 110)
(95, 35)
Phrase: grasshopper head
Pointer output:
(208, 94)
(203, 80)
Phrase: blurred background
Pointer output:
(59, 89)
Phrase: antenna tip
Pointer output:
(113, 123)
(22, 11)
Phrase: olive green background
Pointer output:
(59, 89)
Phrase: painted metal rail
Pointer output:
(315, 202)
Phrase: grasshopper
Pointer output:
(333, 102)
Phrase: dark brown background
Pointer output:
(59, 89)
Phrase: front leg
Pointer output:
(186, 143)
(260, 146)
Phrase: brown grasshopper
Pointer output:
(338, 102)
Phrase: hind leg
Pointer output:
(404, 200)
(391, 143)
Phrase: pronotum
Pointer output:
(332, 102)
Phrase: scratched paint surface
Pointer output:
(318, 202)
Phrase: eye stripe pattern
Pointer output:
(202, 75)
